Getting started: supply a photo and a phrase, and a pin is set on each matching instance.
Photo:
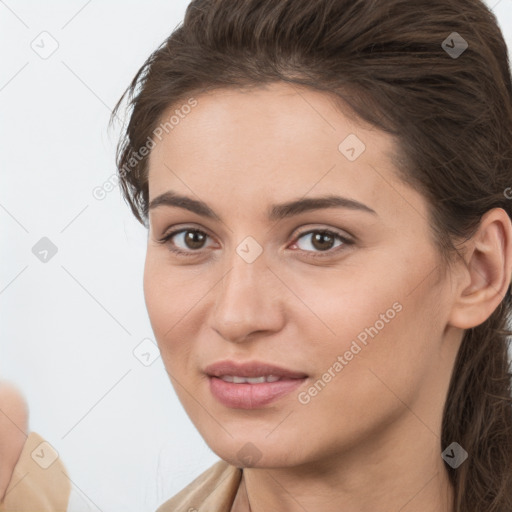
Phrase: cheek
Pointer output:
(155, 297)
(346, 306)
(388, 349)
(384, 324)
(173, 301)
(360, 386)
(165, 299)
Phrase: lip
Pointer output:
(251, 396)
(251, 369)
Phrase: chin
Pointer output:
(255, 453)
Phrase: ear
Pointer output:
(485, 273)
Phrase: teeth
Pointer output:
(250, 380)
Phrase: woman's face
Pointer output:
(360, 312)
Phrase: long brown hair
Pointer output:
(435, 74)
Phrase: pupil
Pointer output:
(319, 237)
(192, 239)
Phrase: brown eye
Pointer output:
(194, 239)
(321, 241)
(185, 241)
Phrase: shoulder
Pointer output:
(214, 489)
(13, 431)
(39, 480)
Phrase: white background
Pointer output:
(69, 326)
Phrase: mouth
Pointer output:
(251, 385)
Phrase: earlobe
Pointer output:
(485, 272)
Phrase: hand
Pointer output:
(13, 431)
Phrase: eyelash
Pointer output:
(316, 254)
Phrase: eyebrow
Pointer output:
(275, 212)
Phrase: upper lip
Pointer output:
(250, 369)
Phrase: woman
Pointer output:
(330, 250)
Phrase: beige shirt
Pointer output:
(214, 490)
(39, 482)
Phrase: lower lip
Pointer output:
(251, 396)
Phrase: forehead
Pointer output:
(274, 116)
(279, 140)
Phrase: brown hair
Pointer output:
(399, 66)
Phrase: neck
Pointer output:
(396, 471)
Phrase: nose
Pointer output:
(248, 300)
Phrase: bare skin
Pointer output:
(370, 438)
(13, 431)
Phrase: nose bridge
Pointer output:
(245, 300)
